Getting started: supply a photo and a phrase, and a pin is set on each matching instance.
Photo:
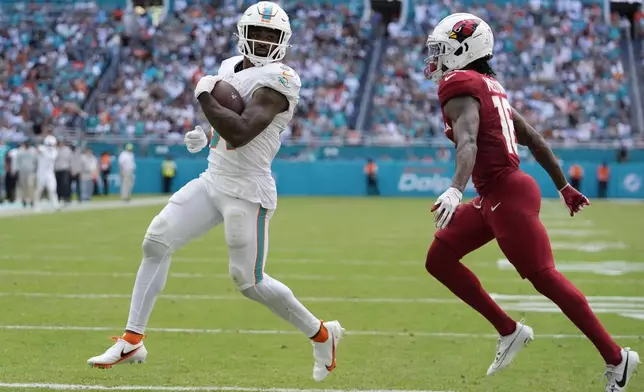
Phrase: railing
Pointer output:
(366, 141)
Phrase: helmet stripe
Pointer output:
(267, 12)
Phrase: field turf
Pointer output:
(65, 281)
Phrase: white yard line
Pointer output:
(613, 268)
(588, 246)
(631, 307)
(208, 297)
(203, 260)
(85, 387)
(17, 210)
(180, 275)
(214, 331)
(574, 232)
(420, 277)
(193, 297)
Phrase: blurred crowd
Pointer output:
(153, 92)
(50, 59)
(558, 60)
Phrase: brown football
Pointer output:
(228, 96)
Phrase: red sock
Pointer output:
(573, 303)
(444, 265)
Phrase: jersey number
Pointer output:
(507, 125)
(215, 141)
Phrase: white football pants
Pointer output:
(190, 213)
(47, 181)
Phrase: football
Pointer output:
(228, 96)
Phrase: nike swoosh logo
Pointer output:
(622, 382)
(494, 208)
(332, 366)
(129, 353)
(478, 207)
(448, 77)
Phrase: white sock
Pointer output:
(150, 280)
(280, 299)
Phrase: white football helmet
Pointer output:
(50, 140)
(268, 15)
(458, 40)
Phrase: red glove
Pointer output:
(573, 199)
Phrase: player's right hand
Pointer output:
(445, 206)
(574, 200)
(206, 84)
(195, 140)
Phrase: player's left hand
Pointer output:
(206, 84)
(574, 200)
(445, 206)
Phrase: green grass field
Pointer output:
(65, 281)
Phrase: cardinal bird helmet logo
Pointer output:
(463, 30)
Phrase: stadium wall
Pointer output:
(403, 179)
(364, 152)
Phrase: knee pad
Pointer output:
(238, 234)
(158, 231)
(153, 250)
(241, 279)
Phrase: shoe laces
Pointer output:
(611, 376)
(498, 349)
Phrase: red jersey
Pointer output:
(497, 154)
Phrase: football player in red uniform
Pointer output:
(486, 130)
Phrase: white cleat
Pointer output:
(324, 353)
(619, 376)
(121, 352)
(507, 347)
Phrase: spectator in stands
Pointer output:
(50, 58)
(152, 94)
(559, 62)
(622, 152)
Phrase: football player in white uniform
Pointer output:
(237, 190)
(45, 175)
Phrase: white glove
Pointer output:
(206, 84)
(195, 140)
(445, 206)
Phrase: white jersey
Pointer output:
(245, 172)
(46, 159)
